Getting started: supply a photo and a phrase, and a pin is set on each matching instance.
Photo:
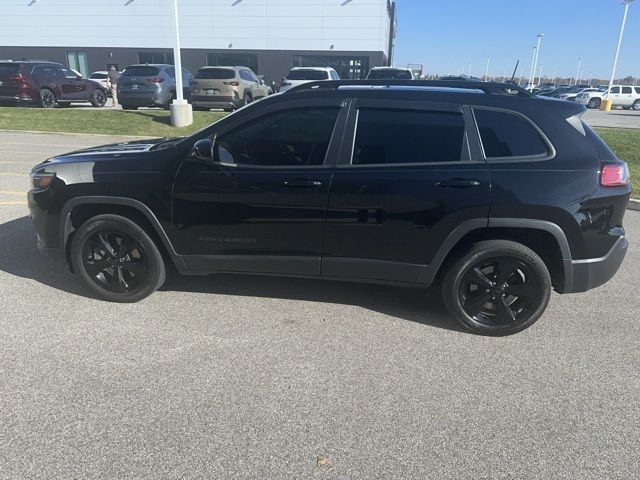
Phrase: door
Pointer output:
(626, 96)
(406, 180)
(615, 96)
(73, 88)
(259, 205)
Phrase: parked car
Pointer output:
(301, 75)
(563, 90)
(267, 82)
(46, 84)
(100, 77)
(386, 73)
(624, 96)
(330, 180)
(572, 94)
(150, 85)
(225, 87)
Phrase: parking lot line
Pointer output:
(12, 174)
(11, 192)
(15, 162)
(22, 202)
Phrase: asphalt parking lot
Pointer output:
(265, 378)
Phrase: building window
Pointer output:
(351, 68)
(78, 61)
(156, 57)
(233, 60)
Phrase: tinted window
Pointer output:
(390, 74)
(8, 69)
(615, 90)
(308, 75)
(291, 138)
(407, 136)
(68, 73)
(47, 71)
(216, 73)
(637, 89)
(140, 71)
(334, 75)
(508, 135)
(98, 76)
(626, 90)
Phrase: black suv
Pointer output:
(493, 193)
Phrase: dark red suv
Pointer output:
(46, 84)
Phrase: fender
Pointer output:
(66, 228)
(429, 272)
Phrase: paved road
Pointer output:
(255, 378)
(616, 118)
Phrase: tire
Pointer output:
(47, 98)
(167, 105)
(228, 109)
(636, 105)
(513, 300)
(594, 103)
(129, 107)
(247, 98)
(117, 259)
(98, 98)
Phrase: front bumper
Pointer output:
(594, 272)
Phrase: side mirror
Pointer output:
(203, 149)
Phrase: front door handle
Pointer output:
(302, 183)
(458, 183)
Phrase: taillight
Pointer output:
(232, 84)
(155, 79)
(18, 77)
(614, 175)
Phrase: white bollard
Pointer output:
(181, 113)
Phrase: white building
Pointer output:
(269, 36)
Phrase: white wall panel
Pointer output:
(214, 24)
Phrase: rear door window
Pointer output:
(387, 137)
(140, 71)
(627, 90)
(507, 135)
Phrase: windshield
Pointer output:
(215, 73)
(308, 75)
(98, 76)
(140, 71)
(390, 75)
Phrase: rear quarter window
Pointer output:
(140, 71)
(507, 135)
(8, 69)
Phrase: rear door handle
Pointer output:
(458, 183)
(302, 183)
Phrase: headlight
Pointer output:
(40, 181)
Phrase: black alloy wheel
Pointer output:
(117, 259)
(47, 98)
(98, 98)
(501, 287)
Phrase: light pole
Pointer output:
(469, 75)
(578, 71)
(486, 72)
(607, 103)
(536, 53)
(540, 75)
(181, 111)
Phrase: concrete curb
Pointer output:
(634, 205)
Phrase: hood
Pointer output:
(122, 147)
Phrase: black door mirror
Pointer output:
(203, 149)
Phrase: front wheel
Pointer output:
(594, 103)
(98, 99)
(117, 259)
(498, 288)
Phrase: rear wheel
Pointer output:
(498, 288)
(172, 96)
(98, 98)
(636, 105)
(247, 98)
(117, 259)
(47, 98)
(594, 103)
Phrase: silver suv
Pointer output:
(150, 86)
(225, 87)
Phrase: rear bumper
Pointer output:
(14, 100)
(214, 101)
(138, 100)
(594, 272)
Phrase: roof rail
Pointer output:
(491, 88)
